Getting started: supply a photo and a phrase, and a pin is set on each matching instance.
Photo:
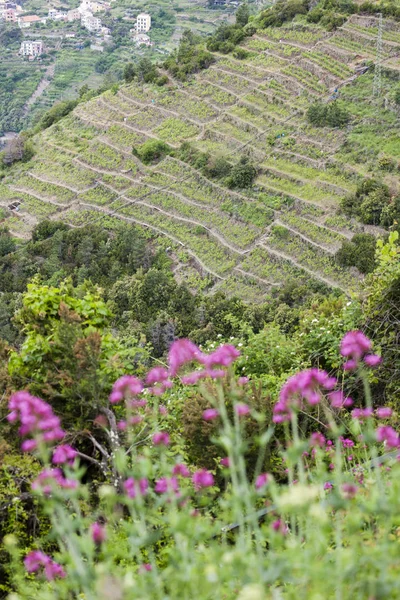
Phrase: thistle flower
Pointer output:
(242, 409)
(166, 484)
(181, 469)
(161, 438)
(210, 414)
(134, 487)
(262, 480)
(389, 436)
(202, 479)
(384, 412)
(180, 353)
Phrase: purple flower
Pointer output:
(346, 442)
(210, 414)
(36, 560)
(158, 379)
(328, 485)
(222, 356)
(389, 436)
(202, 479)
(134, 487)
(305, 385)
(180, 353)
(339, 400)
(384, 412)
(317, 439)
(354, 345)
(49, 479)
(64, 454)
(372, 360)
(279, 526)
(349, 490)
(224, 462)
(243, 380)
(166, 484)
(28, 445)
(146, 567)
(262, 480)
(242, 409)
(36, 418)
(362, 413)
(181, 469)
(127, 385)
(98, 533)
(161, 438)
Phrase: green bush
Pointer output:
(327, 115)
(151, 150)
(242, 174)
(358, 252)
(57, 112)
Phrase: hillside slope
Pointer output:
(246, 241)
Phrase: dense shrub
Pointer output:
(358, 252)
(282, 11)
(327, 115)
(151, 150)
(226, 38)
(57, 112)
(372, 203)
(242, 174)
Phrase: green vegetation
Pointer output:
(328, 115)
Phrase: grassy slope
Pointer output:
(245, 242)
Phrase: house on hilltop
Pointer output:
(92, 24)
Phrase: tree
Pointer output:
(242, 15)
(242, 174)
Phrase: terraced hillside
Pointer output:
(247, 241)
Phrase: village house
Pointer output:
(141, 39)
(91, 23)
(9, 15)
(31, 48)
(24, 22)
(143, 23)
(73, 15)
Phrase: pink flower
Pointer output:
(262, 480)
(180, 353)
(161, 438)
(36, 418)
(181, 469)
(384, 412)
(328, 485)
(194, 377)
(242, 409)
(317, 439)
(162, 410)
(49, 479)
(224, 462)
(362, 413)
(372, 360)
(98, 533)
(222, 356)
(349, 490)
(64, 454)
(389, 436)
(127, 385)
(135, 420)
(279, 526)
(121, 425)
(158, 379)
(354, 345)
(306, 385)
(243, 380)
(202, 479)
(36, 560)
(339, 400)
(350, 365)
(28, 445)
(166, 484)
(346, 442)
(210, 414)
(146, 567)
(134, 487)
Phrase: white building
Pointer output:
(31, 48)
(143, 23)
(73, 15)
(92, 24)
